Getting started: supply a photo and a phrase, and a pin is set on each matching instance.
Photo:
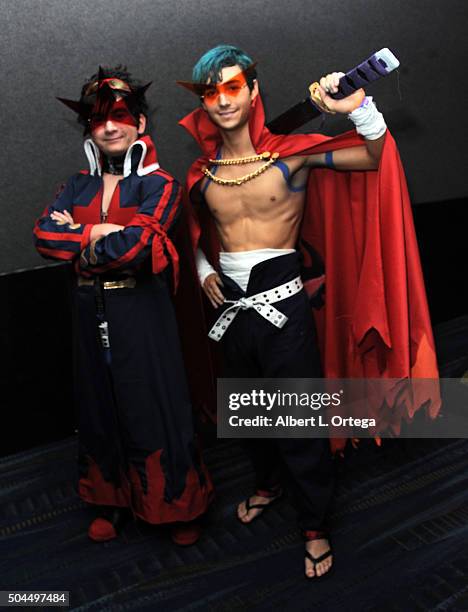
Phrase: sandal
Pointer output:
(274, 494)
(317, 535)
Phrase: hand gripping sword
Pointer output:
(378, 65)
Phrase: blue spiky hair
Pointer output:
(211, 63)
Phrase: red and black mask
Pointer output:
(108, 98)
(116, 111)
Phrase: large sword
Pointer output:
(373, 68)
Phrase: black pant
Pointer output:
(255, 348)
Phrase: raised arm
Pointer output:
(367, 120)
(361, 110)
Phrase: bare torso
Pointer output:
(261, 213)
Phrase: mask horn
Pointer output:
(76, 106)
(197, 88)
(101, 75)
(139, 91)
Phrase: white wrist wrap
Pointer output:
(369, 122)
(204, 268)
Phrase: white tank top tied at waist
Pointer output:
(238, 265)
(261, 302)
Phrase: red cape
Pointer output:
(375, 322)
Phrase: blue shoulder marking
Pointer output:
(286, 173)
(284, 169)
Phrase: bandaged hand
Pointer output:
(368, 121)
(329, 85)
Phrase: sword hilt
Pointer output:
(376, 66)
(373, 68)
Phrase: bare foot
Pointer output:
(317, 548)
(247, 515)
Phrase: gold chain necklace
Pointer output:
(242, 160)
(270, 157)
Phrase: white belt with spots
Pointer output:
(262, 303)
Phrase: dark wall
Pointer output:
(48, 47)
(36, 382)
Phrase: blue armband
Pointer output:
(329, 160)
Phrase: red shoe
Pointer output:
(102, 530)
(107, 526)
(185, 534)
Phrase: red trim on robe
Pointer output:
(56, 253)
(85, 239)
(95, 490)
(150, 506)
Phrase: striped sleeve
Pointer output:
(161, 198)
(60, 241)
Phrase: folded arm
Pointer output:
(131, 245)
(58, 237)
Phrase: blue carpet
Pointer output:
(400, 526)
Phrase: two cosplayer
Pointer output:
(260, 205)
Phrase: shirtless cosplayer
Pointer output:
(256, 200)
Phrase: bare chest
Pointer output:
(110, 184)
(264, 196)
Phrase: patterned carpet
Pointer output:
(400, 538)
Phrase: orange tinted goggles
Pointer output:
(231, 88)
(210, 92)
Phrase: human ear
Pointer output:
(142, 124)
(254, 92)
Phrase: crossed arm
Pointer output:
(97, 231)
(105, 246)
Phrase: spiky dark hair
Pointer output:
(120, 71)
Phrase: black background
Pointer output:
(48, 47)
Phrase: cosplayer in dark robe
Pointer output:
(357, 229)
(136, 438)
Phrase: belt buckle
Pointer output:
(85, 282)
(125, 283)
